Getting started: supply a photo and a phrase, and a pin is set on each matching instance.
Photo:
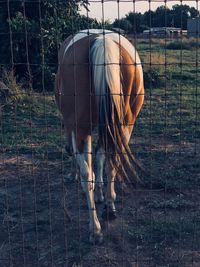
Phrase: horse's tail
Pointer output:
(105, 60)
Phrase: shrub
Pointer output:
(10, 90)
(153, 77)
(178, 45)
(186, 44)
(154, 70)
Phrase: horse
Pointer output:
(99, 85)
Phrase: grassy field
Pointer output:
(43, 215)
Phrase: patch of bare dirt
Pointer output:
(44, 215)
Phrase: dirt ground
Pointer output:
(44, 215)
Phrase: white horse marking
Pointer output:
(115, 37)
(110, 194)
(80, 35)
(84, 161)
(100, 156)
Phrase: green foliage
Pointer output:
(12, 91)
(136, 22)
(32, 34)
(177, 45)
(181, 13)
(186, 44)
(131, 23)
(154, 70)
(153, 77)
(123, 24)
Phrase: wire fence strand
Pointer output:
(44, 209)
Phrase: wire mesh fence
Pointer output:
(44, 212)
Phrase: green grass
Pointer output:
(31, 125)
(172, 99)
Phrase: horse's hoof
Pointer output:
(96, 238)
(109, 214)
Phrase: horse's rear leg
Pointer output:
(84, 161)
(109, 212)
(100, 159)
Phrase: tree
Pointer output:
(162, 17)
(123, 24)
(181, 13)
(148, 18)
(135, 19)
(32, 34)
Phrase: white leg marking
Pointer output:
(110, 195)
(84, 162)
(99, 175)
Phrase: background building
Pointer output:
(193, 27)
(162, 32)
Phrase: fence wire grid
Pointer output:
(43, 210)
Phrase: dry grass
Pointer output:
(13, 90)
